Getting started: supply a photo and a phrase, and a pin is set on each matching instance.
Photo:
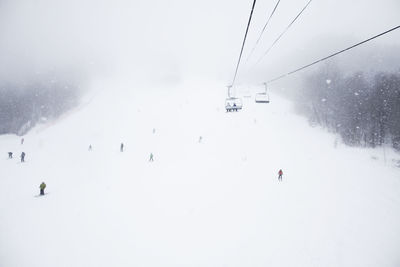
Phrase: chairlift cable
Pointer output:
(262, 32)
(244, 41)
(286, 29)
(334, 54)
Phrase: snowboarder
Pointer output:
(151, 157)
(22, 141)
(42, 187)
(23, 157)
(90, 148)
(280, 173)
(10, 155)
(122, 147)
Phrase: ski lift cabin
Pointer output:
(233, 104)
(262, 97)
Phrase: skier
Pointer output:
(280, 173)
(122, 147)
(23, 157)
(10, 155)
(22, 141)
(200, 138)
(90, 148)
(151, 157)
(154, 130)
(228, 107)
(42, 187)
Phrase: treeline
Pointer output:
(364, 110)
(23, 105)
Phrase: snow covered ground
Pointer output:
(214, 203)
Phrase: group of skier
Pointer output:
(151, 159)
(121, 149)
(230, 108)
(22, 156)
(10, 156)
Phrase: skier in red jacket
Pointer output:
(280, 173)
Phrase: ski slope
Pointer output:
(214, 203)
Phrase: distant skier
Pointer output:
(154, 130)
(22, 141)
(151, 157)
(280, 173)
(122, 147)
(90, 148)
(23, 157)
(42, 187)
(200, 139)
(10, 154)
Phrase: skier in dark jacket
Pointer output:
(42, 187)
(23, 157)
(280, 173)
(10, 155)
(122, 147)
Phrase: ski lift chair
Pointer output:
(233, 104)
(262, 98)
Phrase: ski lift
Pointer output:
(262, 97)
(232, 103)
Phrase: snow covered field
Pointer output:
(214, 203)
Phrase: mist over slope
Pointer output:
(211, 203)
(164, 43)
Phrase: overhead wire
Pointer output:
(286, 29)
(262, 31)
(244, 41)
(334, 54)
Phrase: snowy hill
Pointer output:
(211, 203)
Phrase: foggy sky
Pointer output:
(178, 39)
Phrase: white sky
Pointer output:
(171, 40)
